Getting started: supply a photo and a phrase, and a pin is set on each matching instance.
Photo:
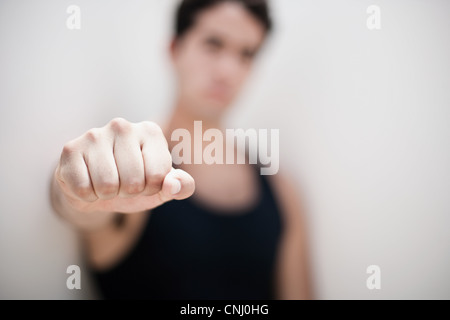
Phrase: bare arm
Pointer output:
(122, 167)
(293, 274)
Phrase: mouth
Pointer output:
(218, 95)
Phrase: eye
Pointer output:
(247, 55)
(213, 43)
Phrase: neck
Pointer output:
(181, 118)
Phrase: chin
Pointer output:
(212, 109)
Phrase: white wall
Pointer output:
(363, 117)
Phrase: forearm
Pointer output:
(293, 278)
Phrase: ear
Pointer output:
(172, 49)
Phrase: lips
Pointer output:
(218, 94)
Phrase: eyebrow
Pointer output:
(249, 52)
(217, 38)
(214, 40)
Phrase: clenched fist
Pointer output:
(122, 167)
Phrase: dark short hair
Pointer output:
(188, 10)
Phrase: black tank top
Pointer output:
(187, 251)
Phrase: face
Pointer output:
(214, 57)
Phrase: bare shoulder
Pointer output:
(288, 193)
(293, 274)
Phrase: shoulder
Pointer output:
(288, 194)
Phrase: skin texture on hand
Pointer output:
(122, 167)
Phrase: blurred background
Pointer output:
(363, 116)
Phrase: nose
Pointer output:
(228, 70)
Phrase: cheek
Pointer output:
(192, 67)
(241, 77)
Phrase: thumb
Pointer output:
(177, 185)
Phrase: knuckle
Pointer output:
(69, 148)
(120, 125)
(93, 135)
(134, 186)
(151, 128)
(108, 188)
(83, 192)
(155, 179)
